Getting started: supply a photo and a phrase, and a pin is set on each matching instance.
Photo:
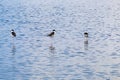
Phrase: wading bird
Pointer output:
(86, 37)
(13, 33)
(52, 33)
(86, 34)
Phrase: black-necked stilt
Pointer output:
(86, 38)
(86, 41)
(13, 33)
(52, 33)
(86, 34)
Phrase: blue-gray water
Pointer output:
(34, 56)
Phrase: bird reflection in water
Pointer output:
(13, 49)
(52, 49)
(85, 46)
(52, 62)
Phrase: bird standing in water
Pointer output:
(13, 33)
(86, 41)
(13, 44)
(86, 34)
(52, 33)
(86, 37)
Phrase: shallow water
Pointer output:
(34, 56)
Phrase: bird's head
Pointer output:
(12, 30)
(53, 29)
(86, 34)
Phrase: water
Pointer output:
(34, 56)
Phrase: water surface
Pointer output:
(34, 56)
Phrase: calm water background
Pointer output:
(34, 56)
